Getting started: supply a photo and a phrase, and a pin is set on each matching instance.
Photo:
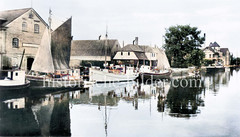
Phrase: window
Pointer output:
(209, 55)
(121, 53)
(153, 54)
(15, 43)
(24, 26)
(16, 74)
(128, 53)
(36, 28)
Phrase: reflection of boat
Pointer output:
(147, 73)
(14, 80)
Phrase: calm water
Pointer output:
(126, 109)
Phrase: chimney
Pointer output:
(99, 37)
(133, 42)
(123, 43)
(136, 40)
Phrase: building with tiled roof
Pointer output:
(20, 29)
(92, 50)
(218, 54)
(137, 55)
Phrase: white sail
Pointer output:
(162, 59)
(43, 61)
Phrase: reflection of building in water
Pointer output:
(214, 80)
(184, 102)
(46, 116)
(15, 103)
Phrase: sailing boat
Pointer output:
(162, 69)
(106, 75)
(50, 65)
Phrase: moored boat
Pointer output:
(106, 75)
(215, 69)
(146, 73)
(15, 79)
(51, 64)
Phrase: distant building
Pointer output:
(137, 55)
(217, 54)
(92, 50)
(131, 55)
(20, 29)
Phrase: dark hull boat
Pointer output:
(216, 69)
(155, 76)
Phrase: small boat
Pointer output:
(217, 68)
(147, 73)
(15, 80)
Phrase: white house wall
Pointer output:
(125, 56)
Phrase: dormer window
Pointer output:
(121, 53)
(36, 28)
(128, 53)
(24, 26)
(15, 43)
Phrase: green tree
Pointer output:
(182, 46)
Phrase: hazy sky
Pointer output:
(147, 19)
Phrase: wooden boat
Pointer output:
(146, 73)
(48, 71)
(111, 75)
(215, 69)
(105, 75)
(15, 80)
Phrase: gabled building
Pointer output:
(217, 54)
(92, 50)
(151, 55)
(20, 29)
(137, 55)
(131, 55)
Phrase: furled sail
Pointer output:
(162, 59)
(61, 45)
(43, 61)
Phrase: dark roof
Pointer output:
(93, 47)
(141, 55)
(10, 15)
(146, 48)
(209, 49)
(224, 51)
(215, 44)
(137, 49)
(131, 47)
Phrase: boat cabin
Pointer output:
(14, 77)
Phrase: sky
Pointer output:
(145, 19)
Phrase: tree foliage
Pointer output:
(182, 46)
(234, 60)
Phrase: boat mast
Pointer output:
(50, 22)
(21, 59)
(105, 47)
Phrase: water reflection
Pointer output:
(49, 113)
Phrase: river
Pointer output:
(127, 109)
